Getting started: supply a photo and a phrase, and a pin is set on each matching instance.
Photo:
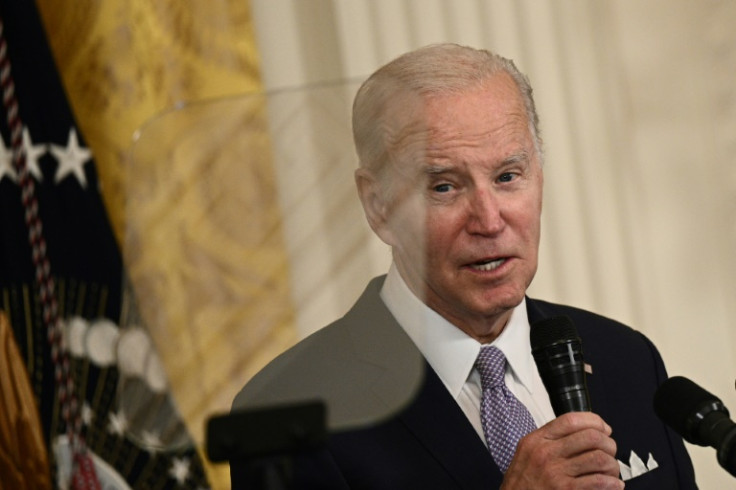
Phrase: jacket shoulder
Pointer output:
(591, 326)
(362, 366)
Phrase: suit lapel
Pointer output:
(434, 418)
(432, 415)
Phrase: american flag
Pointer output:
(86, 275)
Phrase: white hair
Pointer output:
(434, 70)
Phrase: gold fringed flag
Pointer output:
(198, 219)
(61, 283)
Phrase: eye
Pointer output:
(507, 177)
(442, 188)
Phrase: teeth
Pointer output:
(488, 266)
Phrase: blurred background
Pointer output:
(222, 149)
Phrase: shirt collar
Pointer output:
(449, 350)
(515, 344)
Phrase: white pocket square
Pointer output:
(636, 466)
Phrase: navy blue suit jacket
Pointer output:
(395, 425)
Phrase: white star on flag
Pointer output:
(33, 153)
(179, 470)
(118, 423)
(71, 159)
(87, 414)
(6, 163)
(151, 441)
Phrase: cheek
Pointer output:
(443, 231)
(408, 225)
(526, 213)
(423, 230)
(529, 226)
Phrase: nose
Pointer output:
(484, 213)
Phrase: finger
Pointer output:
(585, 452)
(599, 482)
(592, 462)
(584, 441)
(572, 422)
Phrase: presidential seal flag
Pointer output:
(99, 394)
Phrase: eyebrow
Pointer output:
(438, 169)
(522, 156)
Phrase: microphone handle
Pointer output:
(571, 396)
(724, 432)
(562, 370)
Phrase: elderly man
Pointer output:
(429, 379)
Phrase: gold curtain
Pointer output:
(214, 298)
(23, 461)
(124, 62)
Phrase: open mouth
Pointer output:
(487, 265)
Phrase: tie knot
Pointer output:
(491, 364)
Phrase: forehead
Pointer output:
(489, 120)
(494, 104)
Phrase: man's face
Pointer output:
(464, 213)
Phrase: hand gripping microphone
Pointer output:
(699, 417)
(558, 353)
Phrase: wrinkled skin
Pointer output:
(573, 451)
(466, 186)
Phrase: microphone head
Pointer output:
(558, 354)
(682, 405)
(552, 331)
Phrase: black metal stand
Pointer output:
(264, 441)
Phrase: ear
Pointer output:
(375, 207)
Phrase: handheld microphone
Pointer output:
(699, 417)
(558, 353)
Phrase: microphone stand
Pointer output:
(262, 442)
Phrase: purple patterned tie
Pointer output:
(504, 418)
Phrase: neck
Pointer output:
(484, 329)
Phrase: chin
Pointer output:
(498, 303)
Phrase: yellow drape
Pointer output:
(123, 62)
(201, 283)
(23, 457)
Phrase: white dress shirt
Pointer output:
(452, 353)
